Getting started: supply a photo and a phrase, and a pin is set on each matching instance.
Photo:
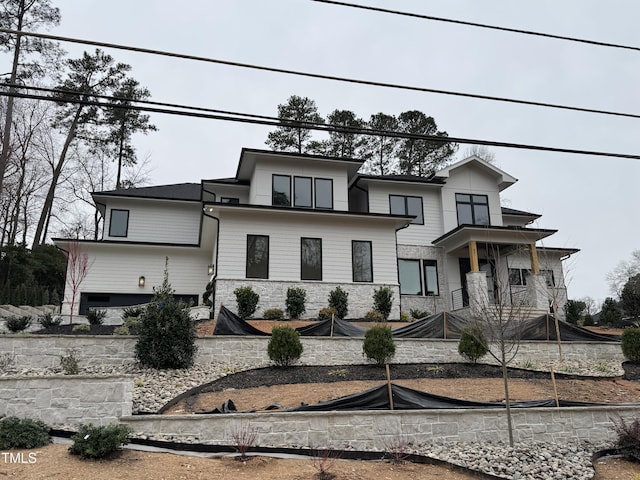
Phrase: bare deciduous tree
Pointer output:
(78, 266)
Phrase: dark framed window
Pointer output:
(324, 193)
(472, 209)
(281, 190)
(549, 277)
(232, 200)
(302, 192)
(407, 205)
(257, 256)
(119, 223)
(311, 258)
(430, 268)
(409, 276)
(362, 260)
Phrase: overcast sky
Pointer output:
(592, 201)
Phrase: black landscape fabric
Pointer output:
(341, 328)
(229, 323)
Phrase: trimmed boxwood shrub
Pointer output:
(23, 433)
(339, 299)
(374, 316)
(296, 299)
(473, 344)
(247, 301)
(631, 344)
(383, 301)
(284, 347)
(273, 314)
(99, 442)
(378, 345)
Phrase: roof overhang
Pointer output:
(486, 234)
(503, 179)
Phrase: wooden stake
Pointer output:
(332, 317)
(386, 366)
(444, 321)
(555, 387)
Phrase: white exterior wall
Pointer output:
(261, 182)
(431, 209)
(116, 269)
(469, 179)
(285, 230)
(157, 221)
(240, 192)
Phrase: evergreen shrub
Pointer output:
(417, 313)
(631, 344)
(99, 442)
(23, 433)
(247, 301)
(48, 320)
(379, 345)
(383, 301)
(284, 347)
(273, 314)
(18, 324)
(339, 299)
(473, 344)
(295, 303)
(96, 317)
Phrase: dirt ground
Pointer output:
(55, 463)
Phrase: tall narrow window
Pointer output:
(257, 256)
(409, 273)
(311, 259)
(324, 193)
(406, 205)
(472, 209)
(362, 261)
(431, 277)
(281, 193)
(119, 223)
(302, 192)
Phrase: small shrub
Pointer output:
(18, 324)
(96, 317)
(322, 460)
(326, 313)
(295, 303)
(247, 301)
(378, 345)
(284, 346)
(587, 321)
(23, 433)
(397, 448)
(418, 314)
(405, 317)
(99, 442)
(631, 344)
(273, 314)
(374, 316)
(48, 320)
(69, 362)
(339, 372)
(131, 312)
(339, 299)
(473, 345)
(121, 330)
(383, 301)
(81, 328)
(243, 438)
(132, 324)
(628, 441)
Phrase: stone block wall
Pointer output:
(273, 294)
(369, 430)
(67, 399)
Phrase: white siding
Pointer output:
(431, 210)
(260, 192)
(241, 192)
(474, 180)
(158, 221)
(285, 230)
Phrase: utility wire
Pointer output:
(479, 25)
(273, 121)
(319, 75)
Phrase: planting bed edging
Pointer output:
(370, 430)
(73, 399)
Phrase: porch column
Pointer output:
(473, 256)
(535, 264)
(478, 293)
(537, 290)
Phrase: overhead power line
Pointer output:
(479, 25)
(200, 112)
(319, 75)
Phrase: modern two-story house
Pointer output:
(441, 243)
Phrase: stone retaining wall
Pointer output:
(67, 400)
(371, 430)
(44, 351)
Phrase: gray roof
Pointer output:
(177, 191)
(513, 211)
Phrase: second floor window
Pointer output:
(472, 209)
(119, 223)
(281, 193)
(304, 192)
(406, 205)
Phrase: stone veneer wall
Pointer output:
(369, 430)
(40, 351)
(273, 294)
(67, 399)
